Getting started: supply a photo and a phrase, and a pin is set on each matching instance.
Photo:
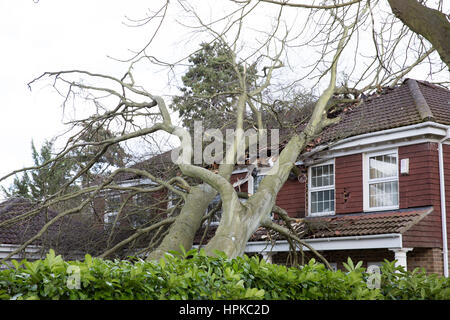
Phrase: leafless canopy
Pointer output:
(333, 50)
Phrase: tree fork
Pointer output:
(430, 23)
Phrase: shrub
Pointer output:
(195, 276)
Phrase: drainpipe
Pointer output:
(443, 204)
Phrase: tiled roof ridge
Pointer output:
(419, 100)
(430, 84)
(416, 220)
(11, 202)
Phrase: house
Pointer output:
(22, 220)
(12, 236)
(373, 186)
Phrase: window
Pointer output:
(112, 206)
(256, 181)
(333, 265)
(109, 218)
(113, 202)
(321, 189)
(215, 219)
(381, 180)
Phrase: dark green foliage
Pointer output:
(38, 183)
(193, 275)
(211, 86)
(114, 157)
(398, 284)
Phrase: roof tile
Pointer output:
(410, 103)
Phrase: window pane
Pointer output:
(256, 182)
(383, 194)
(322, 201)
(331, 200)
(319, 181)
(326, 181)
(314, 182)
(326, 206)
(322, 176)
(383, 166)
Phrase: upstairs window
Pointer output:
(256, 181)
(321, 189)
(381, 180)
(215, 219)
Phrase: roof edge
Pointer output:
(419, 100)
(417, 220)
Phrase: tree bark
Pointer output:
(241, 220)
(432, 24)
(184, 228)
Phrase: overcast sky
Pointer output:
(56, 35)
(53, 35)
(48, 36)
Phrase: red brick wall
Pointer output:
(430, 259)
(341, 256)
(349, 184)
(421, 188)
(292, 198)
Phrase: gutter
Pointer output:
(443, 203)
(30, 252)
(388, 241)
(428, 127)
(412, 127)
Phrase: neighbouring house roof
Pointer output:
(358, 224)
(71, 235)
(22, 230)
(411, 102)
(158, 165)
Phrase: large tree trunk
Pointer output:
(432, 24)
(184, 228)
(242, 220)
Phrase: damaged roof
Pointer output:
(410, 103)
(21, 231)
(359, 224)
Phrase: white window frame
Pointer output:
(109, 218)
(251, 186)
(311, 189)
(367, 181)
(333, 266)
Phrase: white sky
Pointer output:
(54, 35)
(57, 35)
(48, 36)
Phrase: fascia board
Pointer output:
(383, 241)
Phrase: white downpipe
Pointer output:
(443, 204)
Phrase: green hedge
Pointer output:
(193, 275)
